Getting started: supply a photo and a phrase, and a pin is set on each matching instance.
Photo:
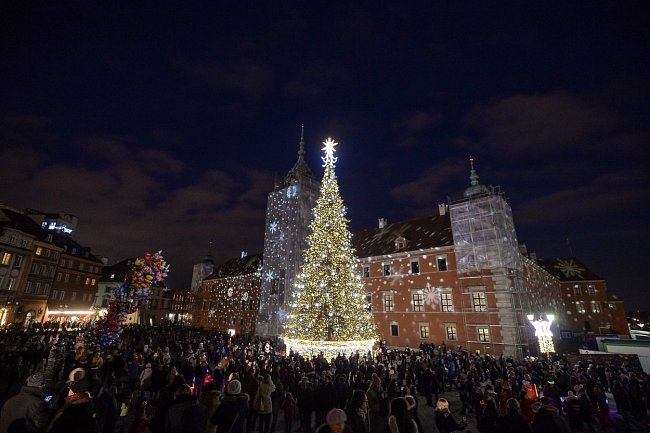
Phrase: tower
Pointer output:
(486, 247)
(202, 270)
(288, 214)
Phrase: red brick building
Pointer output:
(229, 299)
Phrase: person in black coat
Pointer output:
(513, 421)
(230, 416)
(357, 412)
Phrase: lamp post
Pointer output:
(543, 332)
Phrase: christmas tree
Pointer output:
(330, 312)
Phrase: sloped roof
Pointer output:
(567, 269)
(237, 266)
(119, 269)
(21, 222)
(421, 233)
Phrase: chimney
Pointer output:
(244, 254)
(442, 209)
(382, 223)
(533, 256)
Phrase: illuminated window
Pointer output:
(442, 263)
(447, 302)
(394, 329)
(388, 302)
(366, 271)
(576, 290)
(424, 329)
(479, 301)
(39, 251)
(418, 302)
(415, 267)
(6, 258)
(87, 281)
(11, 284)
(386, 270)
(595, 306)
(450, 330)
(611, 306)
(483, 334)
(591, 289)
(93, 281)
(580, 307)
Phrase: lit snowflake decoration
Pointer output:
(431, 295)
(569, 268)
(212, 312)
(230, 291)
(281, 237)
(273, 226)
(244, 296)
(292, 191)
(329, 151)
(268, 276)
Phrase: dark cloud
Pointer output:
(543, 123)
(431, 185)
(412, 125)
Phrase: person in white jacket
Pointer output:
(263, 404)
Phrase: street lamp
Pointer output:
(543, 332)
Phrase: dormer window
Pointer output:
(401, 243)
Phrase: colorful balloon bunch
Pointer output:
(147, 271)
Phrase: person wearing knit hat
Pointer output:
(334, 423)
(27, 405)
(232, 413)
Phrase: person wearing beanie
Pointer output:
(77, 414)
(357, 412)
(230, 416)
(513, 421)
(27, 406)
(334, 423)
(185, 414)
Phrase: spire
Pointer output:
(300, 168)
(475, 187)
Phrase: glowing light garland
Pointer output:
(543, 333)
(329, 312)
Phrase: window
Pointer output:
(394, 329)
(78, 279)
(46, 287)
(18, 262)
(483, 334)
(576, 290)
(37, 288)
(388, 302)
(442, 263)
(61, 295)
(59, 276)
(580, 307)
(6, 258)
(386, 270)
(36, 268)
(418, 302)
(611, 306)
(39, 251)
(81, 266)
(93, 281)
(24, 243)
(415, 267)
(369, 303)
(447, 302)
(55, 293)
(450, 330)
(11, 284)
(479, 301)
(243, 305)
(47, 253)
(591, 289)
(29, 287)
(13, 239)
(87, 281)
(73, 296)
(595, 306)
(424, 329)
(366, 271)
(67, 278)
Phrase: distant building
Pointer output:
(201, 271)
(588, 308)
(229, 298)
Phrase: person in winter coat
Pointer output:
(175, 421)
(230, 416)
(211, 399)
(263, 404)
(445, 421)
(357, 412)
(399, 420)
(377, 402)
(145, 381)
(513, 421)
(334, 423)
(290, 408)
(28, 404)
(77, 414)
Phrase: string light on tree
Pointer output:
(330, 312)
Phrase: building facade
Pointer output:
(288, 215)
(229, 299)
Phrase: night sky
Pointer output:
(164, 127)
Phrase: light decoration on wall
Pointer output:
(543, 332)
(330, 314)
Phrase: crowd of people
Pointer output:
(170, 379)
